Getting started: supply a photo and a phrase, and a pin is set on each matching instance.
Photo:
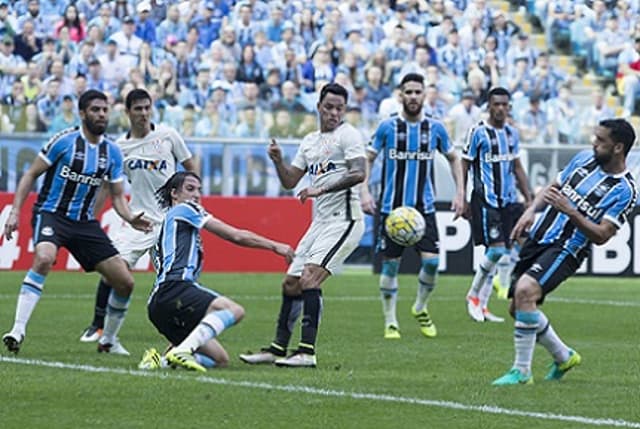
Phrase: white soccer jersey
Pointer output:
(324, 156)
(148, 164)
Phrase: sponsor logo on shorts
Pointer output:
(536, 268)
(48, 231)
(494, 233)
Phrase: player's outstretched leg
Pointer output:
(290, 310)
(486, 267)
(564, 358)
(389, 297)
(93, 332)
(30, 293)
(426, 285)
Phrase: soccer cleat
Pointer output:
(112, 348)
(91, 334)
(297, 360)
(151, 359)
(501, 292)
(264, 356)
(184, 359)
(391, 332)
(490, 317)
(558, 370)
(427, 327)
(474, 309)
(13, 341)
(514, 376)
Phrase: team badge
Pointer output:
(102, 163)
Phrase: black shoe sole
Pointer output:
(12, 344)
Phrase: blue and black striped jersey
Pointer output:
(77, 169)
(407, 166)
(179, 247)
(596, 194)
(492, 152)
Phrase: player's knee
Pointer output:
(43, 262)
(291, 286)
(238, 311)
(223, 359)
(390, 267)
(495, 253)
(526, 293)
(430, 265)
(124, 285)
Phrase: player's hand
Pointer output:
(11, 224)
(367, 203)
(557, 200)
(309, 192)
(274, 152)
(141, 223)
(466, 210)
(458, 207)
(523, 224)
(286, 251)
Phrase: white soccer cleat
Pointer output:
(474, 309)
(262, 357)
(91, 334)
(114, 348)
(297, 360)
(490, 317)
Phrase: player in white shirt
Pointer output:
(335, 159)
(151, 155)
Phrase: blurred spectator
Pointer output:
(202, 90)
(249, 125)
(375, 90)
(282, 125)
(437, 36)
(628, 76)
(79, 63)
(232, 86)
(187, 127)
(289, 41)
(520, 81)
(420, 63)
(451, 58)
(249, 70)
(270, 91)
(71, 20)
(259, 9)
(31, 81)
(503, 30)
(609, 44)
(146, 63)
(145, 26)
(290, 100)
(66, 118)
(95, 78)
(220, 95)
(65, 47)
(356, 45)
(273, 27)
(462, 116)
(88, 9)
(32, 121)
(546, 78)
(561, 16)
(307, 28)
(318, 67)
(95, 36)
(114, 67)
(194, 50)
(57, 72)
(105, 20)
(400, 18)
(12, 66)
(563, 115)
(40, 26)
(16, 97)
(128, 43)
(433, 105)
(185, 67)
(171, 26)
(231, 50)
(479, 8)
(27, 43)
(244, 27)
(390, 105)
(263, 50)
(350, 68)
(209, 21)
(533, 123)
(593, 114)
(49, 104)
(518, 50)
(168, 85)
(211, 124)
(8, 22)
(472, 34)
(122, 9)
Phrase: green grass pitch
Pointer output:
(362, 381)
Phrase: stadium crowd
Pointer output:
(221, 68)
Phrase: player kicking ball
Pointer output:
(190, 316)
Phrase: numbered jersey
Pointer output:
(324, 156)
(148, 163)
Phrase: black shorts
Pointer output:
(85, 240)
(490, 225)
(550, 265)
(429, 242)
(177, 307)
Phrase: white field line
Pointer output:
(275, 297)
(372, 397)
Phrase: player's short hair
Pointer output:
(135, 95)
(412, 77)
(88, 96)
(334, 88)
(163, 193)
(498, 90)
(620, 131)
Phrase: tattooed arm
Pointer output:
(356, 173)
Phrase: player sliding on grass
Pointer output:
(187, 314)
(588, 203)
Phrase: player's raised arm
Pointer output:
(289, 175)
(25, 185)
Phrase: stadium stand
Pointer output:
(214, 65)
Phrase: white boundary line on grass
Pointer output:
(342, 298)
(489, 409)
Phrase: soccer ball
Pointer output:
(405, 226)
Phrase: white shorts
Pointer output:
(133, 244)
(327, 244)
